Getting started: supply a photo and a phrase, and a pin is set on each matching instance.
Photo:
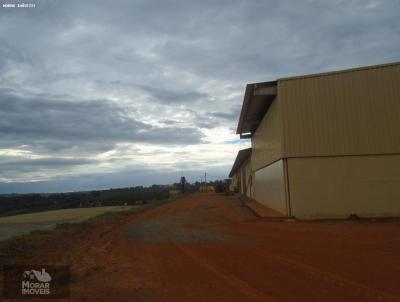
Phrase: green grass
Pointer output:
(11, 226)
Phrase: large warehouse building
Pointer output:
(242, 175)
(324, 145)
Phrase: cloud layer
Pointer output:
(118, 88)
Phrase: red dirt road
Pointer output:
(208, 247)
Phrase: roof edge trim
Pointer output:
(333, 72)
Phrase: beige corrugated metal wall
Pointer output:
(249, 179)
(335, 187)
(267, 140)
(234, 183)
(344, 113)
(270, 187)
(243, 182)
(244, 177)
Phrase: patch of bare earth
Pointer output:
(209, 247)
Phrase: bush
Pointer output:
(219, 188)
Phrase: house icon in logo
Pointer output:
(41, 276)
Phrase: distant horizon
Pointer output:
(36, 187)
(111, 188)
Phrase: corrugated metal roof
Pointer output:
(241, 157)
(255, 106)
(328, 73)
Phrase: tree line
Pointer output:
(27, 203)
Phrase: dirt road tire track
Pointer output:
(230, 280)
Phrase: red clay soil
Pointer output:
(208, 247)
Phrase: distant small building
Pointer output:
(174, 192)
(208, 188)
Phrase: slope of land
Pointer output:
(208, 247)
(22, 224)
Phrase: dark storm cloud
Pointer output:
(164, 95)
(227, 39)
(53, 162)
(169, 96)
(265, 39)
(169, 122)
(58, 124)
(210, 120)
(231, 116)
(12, 165)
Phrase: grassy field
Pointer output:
(11, 226)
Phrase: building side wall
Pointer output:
(267, 141)
(269, 187)
(344, 113)
(243, 181)
(234, 186)
(249, 180)
(246, 176)
(335, 187)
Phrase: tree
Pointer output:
(183, 184)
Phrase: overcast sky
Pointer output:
(99, 94)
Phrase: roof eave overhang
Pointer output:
(257, 99)
(241, 157)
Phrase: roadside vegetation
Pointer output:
(21, 224)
